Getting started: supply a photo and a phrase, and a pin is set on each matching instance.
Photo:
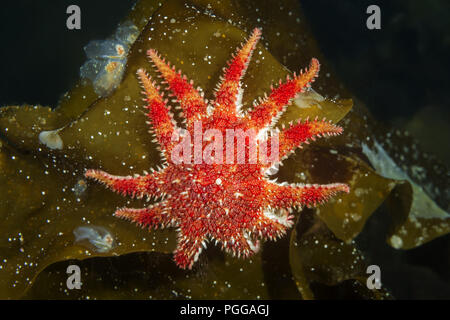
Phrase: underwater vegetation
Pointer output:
(53, 217)
(207, 198)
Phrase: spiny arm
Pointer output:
(299, 195)
(239, 244)
(263, 114)
(137, 186)
(228, 90)
(151, 217)
(188, 250)
(158, 114)
(191, 102)
(271, 225)
(295, 135)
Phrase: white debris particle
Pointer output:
(51, 139)
(396, 242)
(359, 192)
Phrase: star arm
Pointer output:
(136, 186)
(238, 243)
(299, 195)
(158, 114)
(229, 87)
(191, 101)
(150, 217)
(188, 249)
(297, 134)
(264, 113)
(271, 225)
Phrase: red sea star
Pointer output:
(234, 204)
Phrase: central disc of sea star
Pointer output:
(232, 203)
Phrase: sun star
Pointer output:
(234, 205)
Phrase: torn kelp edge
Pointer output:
(422, 206)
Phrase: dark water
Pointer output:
(400, 72)
(41, 58)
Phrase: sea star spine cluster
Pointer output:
(269, 109)
(233, 204)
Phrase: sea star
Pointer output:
(233, 204)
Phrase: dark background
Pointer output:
(400, 72)
(407, 61)
(40, 57)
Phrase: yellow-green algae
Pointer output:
(43, 201)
